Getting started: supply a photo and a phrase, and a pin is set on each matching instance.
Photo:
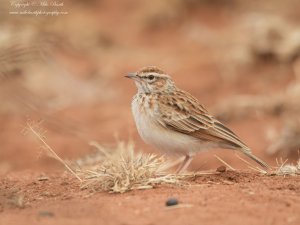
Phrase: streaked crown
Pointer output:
(151, 79)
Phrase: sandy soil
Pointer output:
(34, 188)
(230, 197)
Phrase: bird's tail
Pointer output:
(248, 153)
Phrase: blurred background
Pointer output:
(240, 58)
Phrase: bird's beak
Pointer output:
(133, 76)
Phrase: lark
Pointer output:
(175, 122)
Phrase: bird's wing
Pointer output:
(184, 114)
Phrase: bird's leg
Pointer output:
(185, 163)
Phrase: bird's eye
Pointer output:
(151, 77)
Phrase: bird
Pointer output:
(173, 121)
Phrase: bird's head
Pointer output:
(152, 80)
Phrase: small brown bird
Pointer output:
(175, 122)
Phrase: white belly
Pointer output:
(162, 138)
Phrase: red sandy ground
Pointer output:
(229, 198)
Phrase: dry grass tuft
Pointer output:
(115, 170)
(288, 169)
(122, 169)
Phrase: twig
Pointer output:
(250, 165)
(52, 151)
(225, 163)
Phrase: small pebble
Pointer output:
(221, 169)
(171, 202)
